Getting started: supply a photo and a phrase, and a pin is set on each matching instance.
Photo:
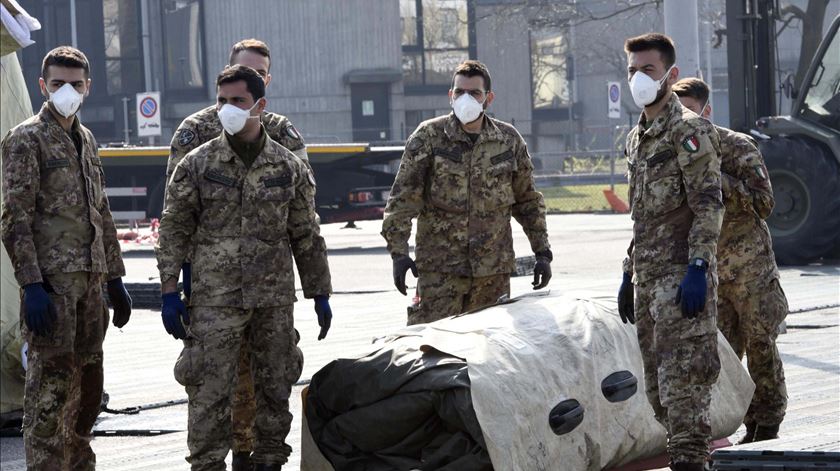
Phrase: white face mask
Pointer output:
(467, 109)
(645, 89)
(234, 118)
(66, 100)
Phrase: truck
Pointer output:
(801, 150)
(354, 180)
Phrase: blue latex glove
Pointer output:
(625, 300)
(691, 295)
(174, 314)
(120, 301)
(324, 311)
(186, 279)
(39, 310)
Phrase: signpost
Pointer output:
(148, 114)
(614, 97)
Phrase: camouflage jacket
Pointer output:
(203, 125)
(745, 249)
(56, 217)
(675, 195)
(246, 224)
(463, 196)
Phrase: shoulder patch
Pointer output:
(185, 136)
(691, 144)
(292, 132)
(414, 144)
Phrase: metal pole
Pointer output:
(147, 59)
(73, 37)
(681, 26)
(125, 101)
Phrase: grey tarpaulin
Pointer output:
(523, 359)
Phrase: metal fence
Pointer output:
(573, 182)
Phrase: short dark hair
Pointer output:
(65, 56)
(657, 41)
(472, 68)
(253, 45)
(235, 73)
(692, 87)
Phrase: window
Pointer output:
(123, 58)
(822, 99)
(436, 37)
(183, 44)
(550, 84)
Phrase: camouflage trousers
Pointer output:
(63, 392)
(749, 315)
(443, 295)
(681, 364)
(244, 404)
(208, 368)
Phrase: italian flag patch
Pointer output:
(691, 144)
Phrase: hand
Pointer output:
(120, 301)
(691, 295)
(324, 312)
(625, 300)
(401, 265)
(542, 269)
(39, 310)
(186, 277)
(174, 314)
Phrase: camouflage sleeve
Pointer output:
(407, 195)
(21, 183)
(529, 208)
(308, 246)
(627, 263)
(697, 145)
(184, 140)
(113, 252)
(748, 189)
(179, 221)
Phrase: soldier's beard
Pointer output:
(663, 92)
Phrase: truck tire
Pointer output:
(805, 223)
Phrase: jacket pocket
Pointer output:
(448, 190)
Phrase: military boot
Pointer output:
(766, 432)
(242, 461)
(749, 437)
(688, 466)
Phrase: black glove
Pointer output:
(401, 265)
(186, 279)
(120, 301)
(542, 269)
(39, 310)
(324, 312)
(174, 314)
(625, 300)
(691, 295)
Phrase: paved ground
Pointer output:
(588, 251)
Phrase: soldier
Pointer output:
(62, 241)
(751, 303)
(462, 176)
(248, 204)
(676, 207)
(194, 131)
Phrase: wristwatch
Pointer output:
(699, 263)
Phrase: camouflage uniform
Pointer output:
(246, 223)
(676, 207)
(751, 303)
(194, 131)
(463, 195)
(58, 230)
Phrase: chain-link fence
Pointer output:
(574, 182)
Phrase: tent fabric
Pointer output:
(417, 416)
(15, 107)
(17, 25)
(524, 358)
